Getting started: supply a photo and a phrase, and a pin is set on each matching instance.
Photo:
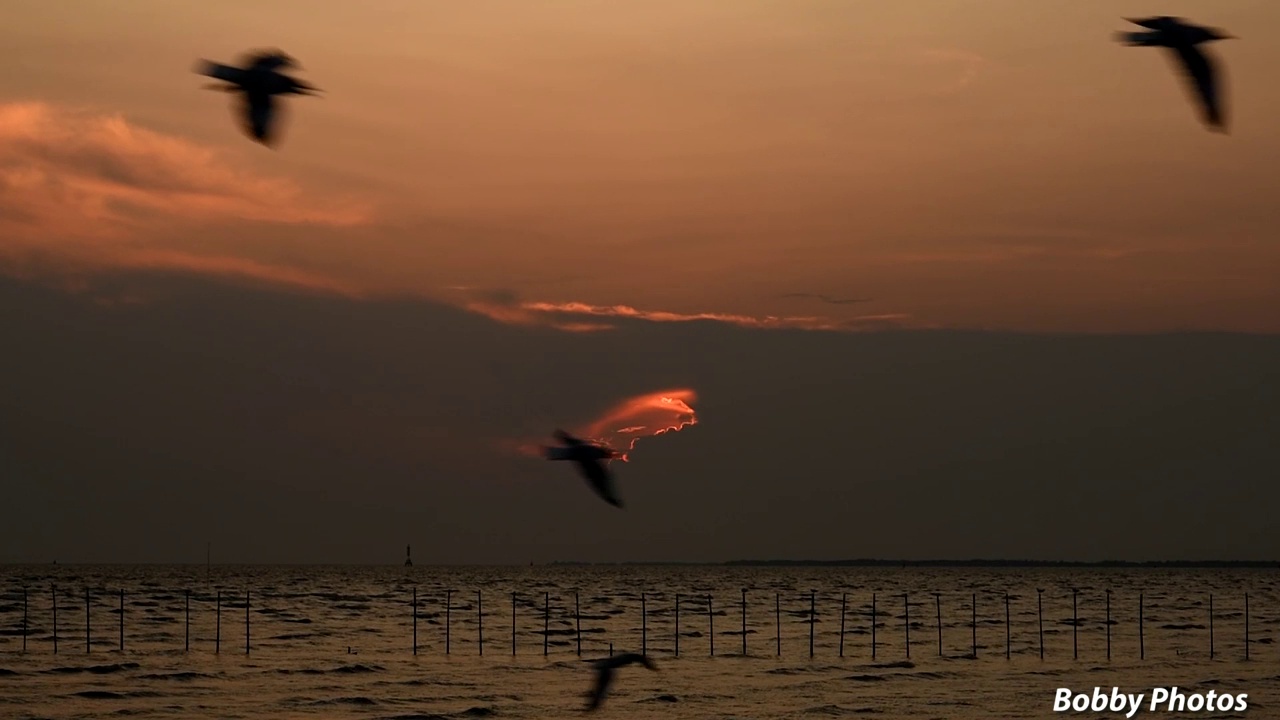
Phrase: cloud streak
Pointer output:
(585, 317)
(80, 188)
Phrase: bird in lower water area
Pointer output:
(1200, 70)
(258, 83)
(604, 675)
(591, 460)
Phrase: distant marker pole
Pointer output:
(415, 619)
(186, 596)
(844, 598)
(1142, 644)
(86, 621)
(813, 617)
(246, 622)
(873, 626)
(973, 625)
(906, 621)
(744, 622)
(480, 619)
(577, 619)
(777, 615)
(546, 621)
(448, 620)
(217, 637)
(513, 623)
(1040, 618)
(122, 620)
(1008, 633)
(1246, 626)
(644, 626)
(711, 626)
(1210, 626)
(1108, 626)
(937, 599)
(1075, 627)
(24, 619)
(54, 589)
(677, 624)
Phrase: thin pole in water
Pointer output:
(1008, 651)
(906, 621)
(448, 620)
(1142, 645)
(1040, 618)
(121, 619)
(415, 619)
(54, 588)
(187, 610)
(86, 621)
(480, 619)
(217, 636)
(24, 619)
(577, 619)
(644, 626)
(937, 599)
(744, 622)
(246, 622)
(546, 621)
(777, 619)
(1210, 626)
(1075, 627)
(973, 624)
(873, 626)
(844, 598)
(711, 626)
(677, 624)
(1108, 626)
(813, 618)
(513, 623)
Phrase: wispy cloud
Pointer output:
(94, 189)
(505, 307)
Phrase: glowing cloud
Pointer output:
(584, 317)
(82, 190)
(643, 416)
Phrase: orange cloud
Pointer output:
(92, 189)
(584, 317)
(643, 416)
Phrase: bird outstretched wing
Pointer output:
(219, 71)
(1201, 74)
(601, 481)
(604, 677)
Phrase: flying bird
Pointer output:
(604, 675)
(1199, 69)
(590, 459)
(258, 83)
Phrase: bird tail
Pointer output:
(558, 453)
(1136, 39)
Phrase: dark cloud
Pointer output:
(291, 427)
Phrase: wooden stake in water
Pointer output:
(1040, 618)
(1246, 626)
(873, 626)
(744, 622)
(546, 621)
(86, 621)
(246, 622)
(1210, 626)
(1008, 651)
(480, 619)
(1108, 626)
(644, 626)
(937, 601)
(415, 619)
(577, 618)
(513, 623)
(973, 624)
(54, 588)
(711, 626)
(121, 619)
(777, 619)
(1142, 645)
(448, 619)
(906, 622)
(1075, 627)
(217, 633)
(187, 597)
(843, 600)
(677, 624)
(24, 619)
(813, 618)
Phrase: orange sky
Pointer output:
(962, 163)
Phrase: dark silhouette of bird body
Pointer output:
(258, 83)
(605, 670)
(1200, 70)
(591, 460)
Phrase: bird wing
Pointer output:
(219, 71)
(1158, 22)
(599, 478)
(604, 677)
(566, 438)
(1202, 76)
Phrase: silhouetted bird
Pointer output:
(258, 82)
(604, 675)
(590, 459)
(1199, 69)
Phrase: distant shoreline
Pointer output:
(1271, 564)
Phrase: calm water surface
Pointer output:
(338, 642)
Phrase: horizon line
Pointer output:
(781, 562)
